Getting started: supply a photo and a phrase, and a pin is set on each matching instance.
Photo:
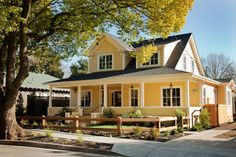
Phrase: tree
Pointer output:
(20, 110)
(81, 67)
(218, 66)
(64, 26)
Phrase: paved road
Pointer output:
(18, 151)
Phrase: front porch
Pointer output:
(149, 97)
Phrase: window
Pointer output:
(184, 62)
(116, 98)
(229, 97)
(85, 98)
(134, 97)
(171, 97)
(105, 62)
(193, 65)
(154, 60)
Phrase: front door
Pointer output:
(116, 98)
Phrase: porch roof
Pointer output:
(129, 71)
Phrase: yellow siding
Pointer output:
(153, 95)
(194, 92)
(221, 95)
(106, 46)
(162, 111)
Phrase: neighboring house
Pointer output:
(173, 78)
(36, 94)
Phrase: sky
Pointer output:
(213, 24)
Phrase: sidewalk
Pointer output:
(198, 144)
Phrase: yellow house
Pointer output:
(173, 78)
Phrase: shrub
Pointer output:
(24, 122)
(174, 132)
(197, 127)
(166, 133)
(49, 133)
(180, 129)
(64, 110)
(108, 113)
(205, 119)
(20, 110)
(138, 131)
(179, 114)
(80, 138)
(137, 113)
(35, 124)
(154, 133)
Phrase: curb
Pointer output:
(55, 146)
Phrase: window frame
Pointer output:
(130, 97)
(171, 97)
(81, 99)
(185, 62)
(149, 62)
(193, 65)
(98, 61)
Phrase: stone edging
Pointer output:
(54, 146)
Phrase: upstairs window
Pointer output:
(154, 60)
(185, 62)
(105, 62)
(193, 66)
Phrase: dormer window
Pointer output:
(154, 60)
(105, 62)
(185, 62)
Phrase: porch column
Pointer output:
(187, 94)
(105, 96)
(142, 94)
(79, 96)
(50, 97)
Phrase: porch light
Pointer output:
(101, 88)
(132, 87)
(171, 85)
(75, 89)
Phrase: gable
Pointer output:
(191, 54)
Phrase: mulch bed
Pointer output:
(228, 135)
(36, 137)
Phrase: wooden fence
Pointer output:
(77, 122)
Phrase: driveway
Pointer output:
(18, 151)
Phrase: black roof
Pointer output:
(224, 80)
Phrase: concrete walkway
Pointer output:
(201, 144)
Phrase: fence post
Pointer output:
(158, 126)
(119, 126)
(76, 123)
(43, 121)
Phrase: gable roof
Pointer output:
(36, 81)
(227, 80)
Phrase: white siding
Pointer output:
(211, 95)
(189, 57)
(168, 49)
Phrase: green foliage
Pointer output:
(166, 133)
(137, 113)
(49, 133)
(179, 113)
(174, 132)
(154, 133)
(137, 131)
(35, 124)
(108, 113)
(80, 138)
(24, 122)
(64, 110)
(81, 67)
(197, 127)
(205, 119)
(180, 129)
(20, 110)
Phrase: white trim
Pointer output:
(91, 97)
(136, 88)
(50, 97)
(98, 63)
(105, 95)
(122, 95)
(79, 96)
(187, 94)
(123, 60)
(142, 84)
(181, 96)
